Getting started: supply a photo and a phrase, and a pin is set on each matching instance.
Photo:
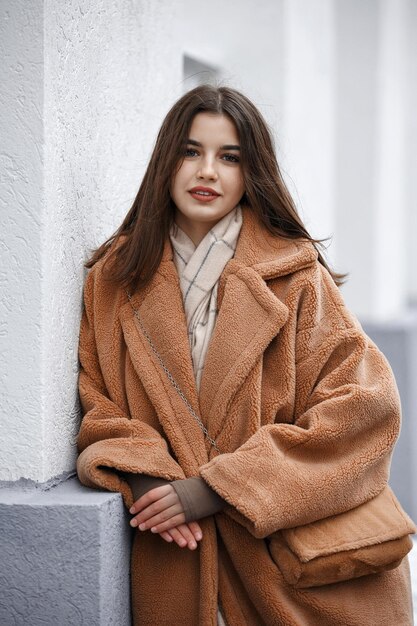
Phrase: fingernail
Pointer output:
(198, 536)
(132, 510)
(142, 526)
(153, 529)
(193, 545)
(133, 522)
(182, 543)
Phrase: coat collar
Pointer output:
(250, 316)
(268, 255)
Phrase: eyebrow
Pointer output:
(228, 146)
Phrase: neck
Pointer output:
(195, 230)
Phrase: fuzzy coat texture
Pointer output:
(303, 406)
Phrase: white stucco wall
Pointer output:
(99, 78)
(21, 205)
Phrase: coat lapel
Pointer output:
(250, 315)
(249, 318)
(162, 319)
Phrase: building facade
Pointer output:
(84, 88)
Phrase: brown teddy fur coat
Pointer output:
(302, 404)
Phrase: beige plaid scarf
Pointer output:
(199, 269)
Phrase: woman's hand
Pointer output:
(160, 510)
(184, 535)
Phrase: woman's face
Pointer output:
(212, 163)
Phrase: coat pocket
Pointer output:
(368, 539)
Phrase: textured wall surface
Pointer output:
(85, 87)
(106, 90)
(64, 557)
(21, 202)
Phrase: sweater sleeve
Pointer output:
(142, 483)
(336, 453)
(197, 498)
(110, 442)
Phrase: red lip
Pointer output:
(213, 192)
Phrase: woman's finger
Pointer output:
(151, 496)
(174, 534)
(146, 518)
(188, 536)
(168, 518)
(157, 526)
(196, 530)
(178, 537)
(167, 536)
(183, 536)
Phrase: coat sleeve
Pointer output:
(109, 441)
(336, 453)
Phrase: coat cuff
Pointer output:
(99, 465)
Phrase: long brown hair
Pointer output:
(146, 225)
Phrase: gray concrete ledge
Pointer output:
(65, 557)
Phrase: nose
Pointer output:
(207, 169)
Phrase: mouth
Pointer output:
(204, 194)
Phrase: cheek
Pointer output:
(182, 177)
(177, 183)
(236, 183)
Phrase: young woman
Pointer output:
(227, 391)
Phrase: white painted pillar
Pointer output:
(21, 205)
(389, 300)
(308, 105)
(371, 156)
(411, 155)
(84, 88)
